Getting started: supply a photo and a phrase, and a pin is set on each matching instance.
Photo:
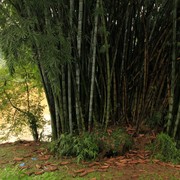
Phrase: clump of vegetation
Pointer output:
(84, 147)
(115, 142)
(164, 148)
(88, 146)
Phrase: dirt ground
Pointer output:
(34, 159)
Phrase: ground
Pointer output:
(34, 160)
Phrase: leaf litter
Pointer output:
(134, 159)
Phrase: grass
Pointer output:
(16, 174)
(156, 176)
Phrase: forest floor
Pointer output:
(34, 160)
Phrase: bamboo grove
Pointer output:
(101, 62)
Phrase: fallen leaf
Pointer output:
(177, 166)
(161, 163)
(44, 158)
(94, 164)
(120, 158)
(110, 160)
(29, 173)
(39, 172)
(28, 155)
(83, 174)
(170, 165)
(90, 170)
(142, 170)
(140, 156)
(104, 167)
(52, 168)
(18, 159)
(156, 160)
(38, 166)
(106, 164)
(120, 164)
(124, 161)
(79, 170)
(64, 163)
(143, 161)
(47, 164)
(24, 167)
(135, 176)
(93, 179)
(134, 162)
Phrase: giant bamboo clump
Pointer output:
(101, 62)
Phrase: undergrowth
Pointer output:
(89, 146)
(164, 148)
(84, 147)
(115, 143)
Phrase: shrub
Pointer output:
(84, 147)
(88, 146)
(164, 148)
(115, 143)
(64, 146)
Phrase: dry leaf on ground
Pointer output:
(18, 159)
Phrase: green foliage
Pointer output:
(84, 147)
(63, 146)
(155, 120)
(20, 100)
(115, 142)
(89, 146)
(164, 148)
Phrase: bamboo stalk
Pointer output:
(94, 44)
(171, 98)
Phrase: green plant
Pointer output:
(63, 146)
(84, 146)
(155, 120)
(164, 148)
(88, 146)
(115, 143)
